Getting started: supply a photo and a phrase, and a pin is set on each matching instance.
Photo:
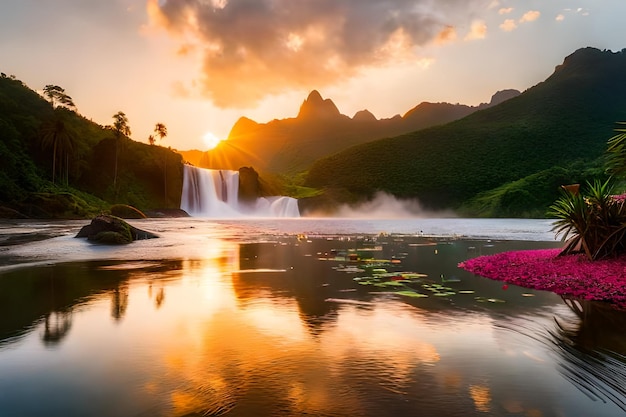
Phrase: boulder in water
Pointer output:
(111, 230)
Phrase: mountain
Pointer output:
(497, 152)
(320, 129)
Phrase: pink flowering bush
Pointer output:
(571, 275)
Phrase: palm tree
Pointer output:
(617, 151)
(121, 128)
(57, 134)
(161, 132)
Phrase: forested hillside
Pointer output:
(488, 162)
(56, 163)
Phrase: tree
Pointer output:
(57, 134)
(56, 93)
(121, 128)
(161, 132)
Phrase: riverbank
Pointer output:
(571, 275)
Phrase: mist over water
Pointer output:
(386, 206)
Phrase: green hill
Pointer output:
(558, 129)
(72, 174)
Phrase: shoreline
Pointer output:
(569, 275)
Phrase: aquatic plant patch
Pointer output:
(571, 275)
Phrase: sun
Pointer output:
(210, 140)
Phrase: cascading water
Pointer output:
(215, 193)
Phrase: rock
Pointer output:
(112, 230)
(166, 212)
(249, 185)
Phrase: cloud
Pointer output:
(530, 16)
(505, 10)
(448, 34)
(477, 31)
(255, 48)
(559, 18)
(508, 25)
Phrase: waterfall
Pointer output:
(215, 193)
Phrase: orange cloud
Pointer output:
(477, 31)
(508, 25)
(560, 18)
(505, 10)
(255, 48)
(530, 16)
(448, 34)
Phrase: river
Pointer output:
(292, 317)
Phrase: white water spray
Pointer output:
(215, 193)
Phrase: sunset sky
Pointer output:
(198, 65)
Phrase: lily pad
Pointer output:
(411, 294)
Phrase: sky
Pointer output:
(199, 65)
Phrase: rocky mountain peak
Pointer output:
(316, 107)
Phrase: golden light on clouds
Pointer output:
(252, 50)
(530, 16)
(448, 34)
(506, 10)
(477, 31)
(508, 25)
(560, 18)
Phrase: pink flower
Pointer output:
(571, 275)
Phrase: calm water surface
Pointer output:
(293, 318)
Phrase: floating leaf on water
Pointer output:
(526, 294)
(412, 275)
(467, 292)
(350, 269)
(495, 300)
(411, 294)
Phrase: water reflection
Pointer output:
(283, 328)
(593, 350)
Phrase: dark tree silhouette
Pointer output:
(57, 134)
(57, 94)
(161, 132)
(120, 128)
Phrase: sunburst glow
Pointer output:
(210, 140)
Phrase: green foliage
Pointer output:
(564, 119)
(594, 224)
(84, 160)
(616, 151)
(530, 196)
